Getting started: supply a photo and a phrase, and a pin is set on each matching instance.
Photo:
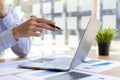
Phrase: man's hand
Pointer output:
(3, 11)
(31, 27)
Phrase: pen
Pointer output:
(54, 26)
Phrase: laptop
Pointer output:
(68, 63)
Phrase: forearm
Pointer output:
(22, 48)
(6, 40)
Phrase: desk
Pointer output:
(112, 57)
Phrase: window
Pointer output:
(71, 15)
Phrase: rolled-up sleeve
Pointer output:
(7, 40)
(9, 21)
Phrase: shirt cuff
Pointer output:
(8, 20)
(8, 39)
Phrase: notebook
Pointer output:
(68, 63)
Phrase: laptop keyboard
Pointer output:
(56, 63)
(41, 60)
(59, 63)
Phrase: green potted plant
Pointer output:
(104, 38)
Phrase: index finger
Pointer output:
(43, 20)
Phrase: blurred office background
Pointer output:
(70, 15)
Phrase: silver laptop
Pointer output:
(68, 63)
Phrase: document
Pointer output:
(37, 75)
(11, 67)
(80, 75)
(10, 77)
(71, 75)
(97, 66)
(101, 77)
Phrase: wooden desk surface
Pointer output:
(112, 57)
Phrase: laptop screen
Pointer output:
(75, 34)
(86, 42)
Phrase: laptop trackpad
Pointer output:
(69, 76)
